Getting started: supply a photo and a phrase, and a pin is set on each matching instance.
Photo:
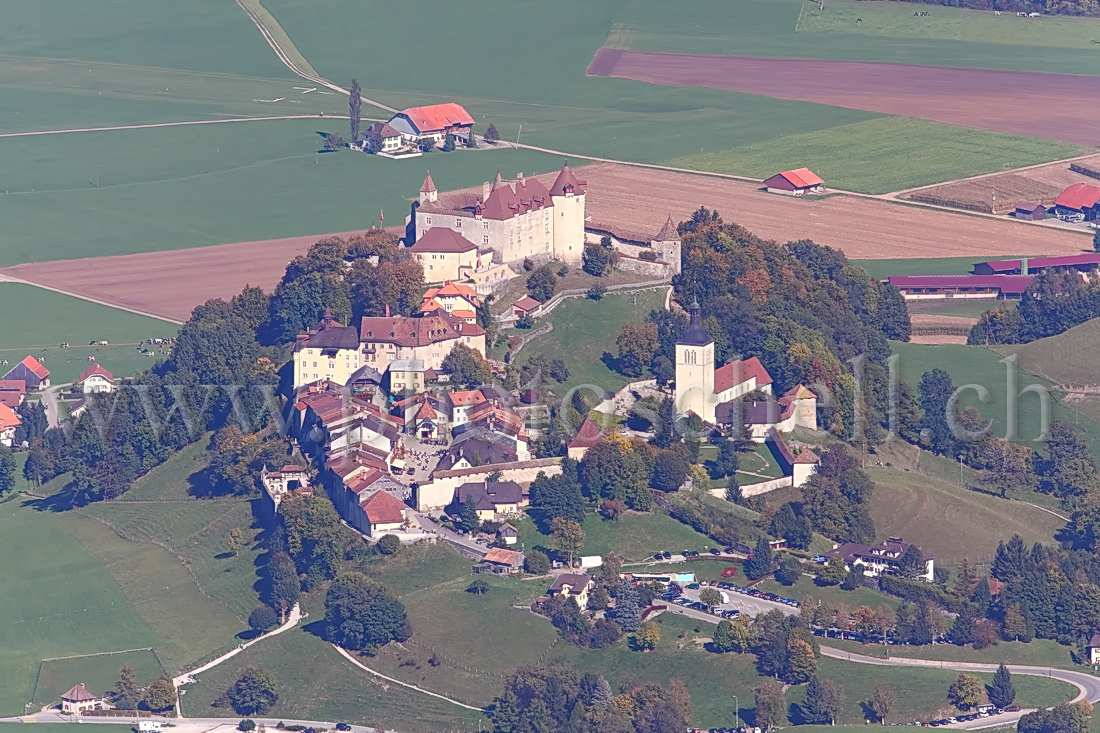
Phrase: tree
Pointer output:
(864, 621)
(760, 561)
(492, 135)
(723, 639)
(541, 284)
(1064, 718)
(790, 570)
(7, 470)
(284, 583)
(262, 618)
(160, 695)
(361, 615)
(801, 663)
(935, 392)
(962, 629)
(885, 621)
(1010, 466)
(790, 524)
(598, 260)
(627, 612)
(568, 536)
(127, 692)
(965, 692)
(555, 496)
(710, 596)
(824, 700)
(468, 520)
(853, 579)
(1000, 691)
(636, 344)
(389, 544)
(478, 587)
(669, 470)
(254, 692)
(536, 562)
(769, 705)
(33, 422)
(911, 564)
(467, 367)
(1016, 627)
(235, 541)
(448, 143)
(647, 636)
(355, 107)
(883, 701)
(246, 725)
(833, 573)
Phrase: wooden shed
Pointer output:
(1030, 211)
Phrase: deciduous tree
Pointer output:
(568, 536)
(254, 692)
(647, 636)
(965, 692)
(883, 701)
(360, 614)
(160, 695)
(769, 705)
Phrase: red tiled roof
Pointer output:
(452, 288)
(501, 556)
(93, 370)
(588, 435)
(421, 331)
(526, 303)
(8, 418)
(426, 412)
(739, 372)
(467, 398)
(802, 178)
(78, 693)
(1038, 263)
(35, 366)
(429, 185)
(511, 198)
(668, 232)
(807, 456)
(1078, 196)
(1014, 284)
(381, 508)
(566, 178)
(438, 239)
(383, 130)
(436, 117)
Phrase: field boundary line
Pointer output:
(42, 663)
(6, 277)
(347, 655)
(151, 125)
(979, 176)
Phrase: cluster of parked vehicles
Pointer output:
(982, 711)
(774, 597)
(666, 555)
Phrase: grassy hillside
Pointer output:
(1069, 359)
(634, 537)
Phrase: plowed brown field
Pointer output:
(631, 202)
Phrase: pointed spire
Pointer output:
(668, 232)
(429, 184)
(497, 181)
(566, 183)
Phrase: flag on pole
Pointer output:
(381, 215)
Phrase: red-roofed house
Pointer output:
(435, 121)
(12, 392)
(1079, 202)
(515, 219)
(31, 371)
(455, 298)
(96, 379)
(795, 183)
(524, 305)
(385, 514)
(588, 435)
(382, 138)
(428, 338)
(77, 699)
(9, 421)
(1085, 264)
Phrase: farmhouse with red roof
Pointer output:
(9, 421)
(433, 122)
(12, 392)
(795, 183)
(1084, 264)
(96, 379)
(1079, 202)
(31, 372)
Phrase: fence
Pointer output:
(555, 301)
(525, 339)
(1090, 172)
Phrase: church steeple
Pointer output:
(695, 335)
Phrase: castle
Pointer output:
(515, 219)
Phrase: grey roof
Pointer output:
(486, 446)
(695, 335)
(497, 492)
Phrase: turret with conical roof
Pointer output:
(428, 191)
(668, 232)
(566, 184)
(567, 195)
(667, 244)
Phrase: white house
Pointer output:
(96, 379)
(78, 700)
(1094, 649)
(385, 514)
(433, 122)
(881, 559)
(9, 421)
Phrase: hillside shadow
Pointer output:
(62, 501)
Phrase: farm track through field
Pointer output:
(34, 133)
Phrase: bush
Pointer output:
(262, 618)
(246, 725)
(596, 292)
(648, 255)
(389, 544)
(525, 321)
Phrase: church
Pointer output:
(714, 394)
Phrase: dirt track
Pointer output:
(1055, 106)
(629, 201)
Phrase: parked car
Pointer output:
(1012, 708)
(343, 726)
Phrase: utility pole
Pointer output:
(518, 134)
(97, 175)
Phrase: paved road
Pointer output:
(453, 537)
(744, 603)
(188, 725)
(49, 401)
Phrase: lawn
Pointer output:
(316, 683)
(908, 153)
(58, 600)
(960, 308)
(175, 478)
(833, 595)
(883, 269)
(633, 537)
(1067, 360)
(973, 365)
(584, 330)
(952, 522)
(46, 319)
(168, 188)
(98, 673)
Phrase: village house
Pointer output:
(409, 376)
(1030, 211)
(425, 415)
(428, 338)
(329, 351)
(508, 534)
(492, 498)
(12, 392)
(501, 561)
(1094, 649)
(880, 559)
(447, 255)
(277, 484)
(573, 585)
(795, 183)
(477, 448)
(384, 514)
(327, 416)
(77, 699)
(525, 305)
(9, 421)
(381, 138)
(516, 219)
(95, 379)
(31, 372)
(456, 298)
(433, 122)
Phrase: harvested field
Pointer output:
(1040, 184)
(929, 328)
(630, 202)
(934, 339)
(1053, 106)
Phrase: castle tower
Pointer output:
(667, 245)
(567, 195)
(428, 192)
(695, 369)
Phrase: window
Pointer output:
(485, 224)
(485, 239)
(458, 223)
(314, 365)
(429, 220)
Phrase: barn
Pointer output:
(795, 183)
(968, 287)
(435, 121)
(1085, 264)
(1079, 202)
(1030, 211)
